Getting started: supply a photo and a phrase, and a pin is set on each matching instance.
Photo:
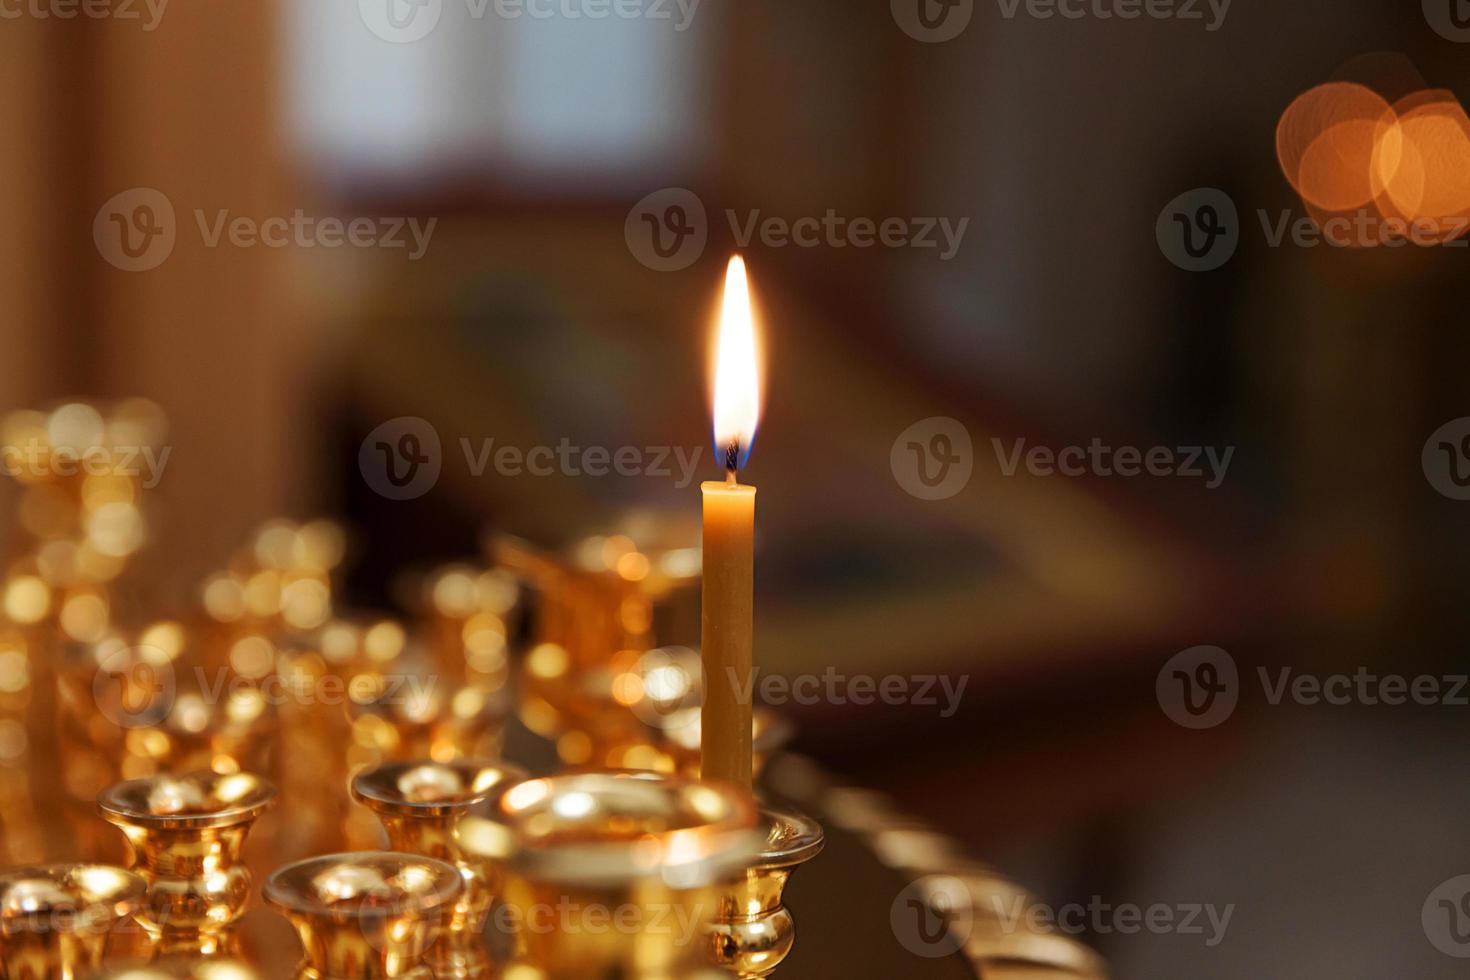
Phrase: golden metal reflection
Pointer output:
(186, 834)
(420, 803)
(365, 915)
(613, 874)
(753, 932)
(180, 730)
(55, 919)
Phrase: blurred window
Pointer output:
(520, 91)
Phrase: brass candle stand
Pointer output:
(55, 919)
(365, 915)
(419, 804)
(613, 874)
(753, 932)
(186, 834)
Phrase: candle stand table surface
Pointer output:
(842, 901)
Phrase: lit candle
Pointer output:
(729, 544)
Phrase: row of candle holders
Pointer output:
(265, 695)
(491, 872)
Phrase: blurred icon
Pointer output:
(401, 21)
(133, 687)
(1446, 459)
(933, 459)
(135, 231)
(1449, 18)
(401, 458)
(1199, 230)
(1199, 688)
(931, 917)
(1446, 917)
(933, 21)
(667, 230)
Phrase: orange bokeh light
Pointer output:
(1394, 172)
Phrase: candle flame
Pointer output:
(737, 386)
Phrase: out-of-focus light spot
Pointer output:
(454, 593)
(252, 657)
(384, 641)
(165, 638)
(57, 562)
(633, 566)
(276, 545)
(84, 617)
(322, 544)
(224, 598)
(263, 593)
(547, 661)
(27, 599)
(616, 547)
(75, 426)
(339, 642)
(497, 591)
(306, 603)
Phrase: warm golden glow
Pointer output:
(1369, 172)
(737, 388)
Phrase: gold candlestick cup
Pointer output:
(186, 834)
(367, 915)
(419, 804)
(54, 919)
(753, 932)
(612, 874)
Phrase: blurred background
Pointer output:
(532, 315)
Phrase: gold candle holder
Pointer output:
(54, 919)
(186, 834)
(753, 932)
(612, 874)
(366, 915)
(419, 804)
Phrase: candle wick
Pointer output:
(732, 461)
